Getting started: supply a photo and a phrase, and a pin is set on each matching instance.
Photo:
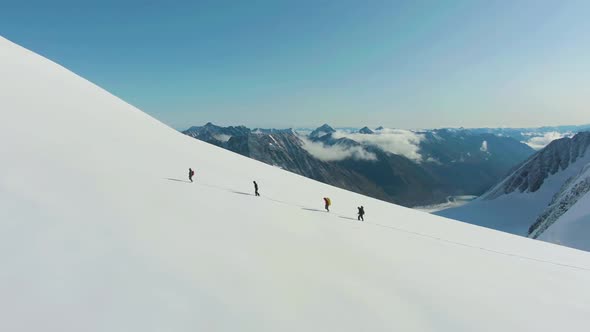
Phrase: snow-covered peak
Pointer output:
(102, 231)
(556, 157)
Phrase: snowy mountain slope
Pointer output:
(101, 232)
(529, 200)
(566, 219)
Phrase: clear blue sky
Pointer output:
(407, 64)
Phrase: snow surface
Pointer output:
(572, 228)
(100, 231)
(452, 201)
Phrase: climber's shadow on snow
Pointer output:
(177, 180)
(241, 193)
(314, 210)
(349, 218)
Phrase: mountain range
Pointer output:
(401, 166)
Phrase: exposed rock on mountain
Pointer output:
(366, 130)
(322, 131)
(557, 156)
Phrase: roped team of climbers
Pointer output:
(327, 200)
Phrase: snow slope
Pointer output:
(452, 201)
(567, 219)
(516, 211)
(101, 232)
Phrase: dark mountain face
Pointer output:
(216, 135)
(467, 163)
(404, 181)
(322, 131)
(453, 162)
(330, 140)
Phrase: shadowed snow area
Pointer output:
(101, 232)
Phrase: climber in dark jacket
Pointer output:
(361, 213)
(256, 189)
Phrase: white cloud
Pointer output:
(539, 142)
(397, 141)
(336, 152)
(484, 146)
